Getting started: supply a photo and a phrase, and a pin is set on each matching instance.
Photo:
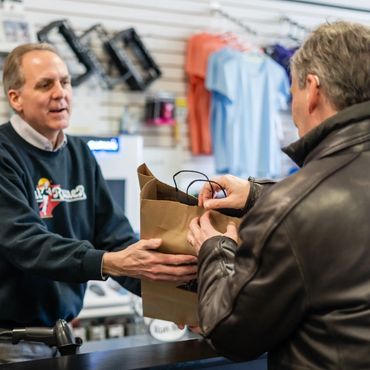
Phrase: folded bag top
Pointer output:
(166, 213)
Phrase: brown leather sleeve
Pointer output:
(257, 188)
(248, 300)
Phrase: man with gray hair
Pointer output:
(59, 225)
(294, 280)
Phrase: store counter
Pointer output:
(190, 354)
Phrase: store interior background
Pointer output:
(164, 26)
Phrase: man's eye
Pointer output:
(43, 85)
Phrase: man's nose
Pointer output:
(58, 91)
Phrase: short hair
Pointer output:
(13, 77)
(339, 54)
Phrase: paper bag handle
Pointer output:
(210, 183)
(190, 171)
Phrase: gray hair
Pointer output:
(339, 54)
(12, 71)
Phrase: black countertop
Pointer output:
(190, 354)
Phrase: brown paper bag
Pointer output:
(166, 213)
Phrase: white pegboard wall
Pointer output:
(164, 26)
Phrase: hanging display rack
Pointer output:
(329, 5)
(217, 10)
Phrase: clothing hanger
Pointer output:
(242, 43)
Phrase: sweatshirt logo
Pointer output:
(50, 195)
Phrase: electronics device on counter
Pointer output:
(59, 336)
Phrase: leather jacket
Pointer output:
(298, 284)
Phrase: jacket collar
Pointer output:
(332, 135)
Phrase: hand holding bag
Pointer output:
(165, 212)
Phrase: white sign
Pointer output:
(166, 331)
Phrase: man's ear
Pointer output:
(15, 100)
(313, 94)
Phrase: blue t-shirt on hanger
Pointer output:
(248, 90)
(217, 82)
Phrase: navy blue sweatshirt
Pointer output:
(57, 218)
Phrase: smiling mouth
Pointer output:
(58, 110)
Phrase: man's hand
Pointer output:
(237, 191)
(201, 229)
(142, 260)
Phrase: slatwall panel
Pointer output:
(164, 26)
